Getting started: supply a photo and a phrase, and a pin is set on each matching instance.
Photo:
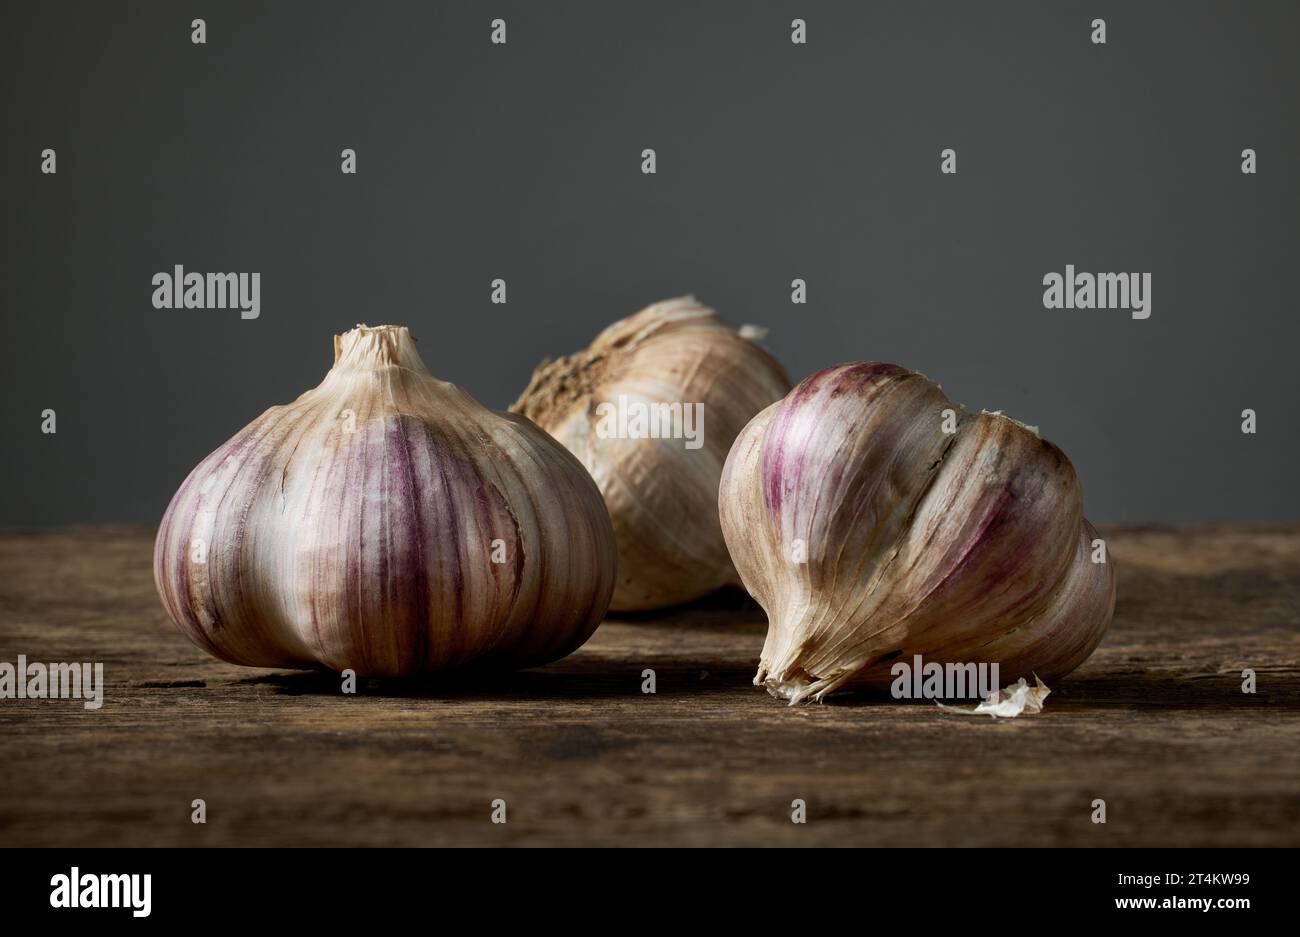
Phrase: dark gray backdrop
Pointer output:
(775, 161)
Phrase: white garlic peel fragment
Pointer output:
(868, 533)
(1008, 702)
(662, 495)
(387, 523)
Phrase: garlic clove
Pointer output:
(386, 522)
(661, 492)
(867, 533)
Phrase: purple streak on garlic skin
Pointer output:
(371, 546)
(963, 547)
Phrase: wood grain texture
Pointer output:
(1155, 723)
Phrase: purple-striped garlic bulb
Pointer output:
(873, 520)
(651, 409)
(387, 523)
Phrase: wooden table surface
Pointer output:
(1155, 723)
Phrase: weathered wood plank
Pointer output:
(1155, 723)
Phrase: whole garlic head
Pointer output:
(388, 523)
(870, 532)
(676, 359)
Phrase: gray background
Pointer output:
(775, 161)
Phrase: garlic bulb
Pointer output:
(387, 523)
(651, 409)
(873, 519)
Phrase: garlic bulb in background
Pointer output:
(677, 367)
(872, 525)
(388, 523)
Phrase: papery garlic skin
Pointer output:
(662, 496)
(869, 534)
(387, 523)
